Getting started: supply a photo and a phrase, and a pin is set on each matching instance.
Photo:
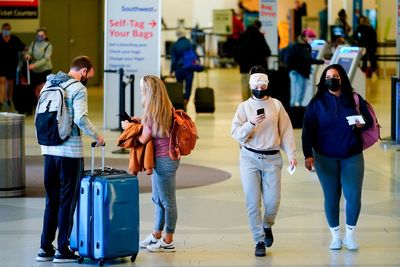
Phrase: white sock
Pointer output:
(335, 232)
(350, 240)
(350, 232)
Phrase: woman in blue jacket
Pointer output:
(335, 148)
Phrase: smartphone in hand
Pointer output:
(260, 111)
(125, 117)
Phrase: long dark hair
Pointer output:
(345, 84)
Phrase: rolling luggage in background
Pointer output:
(279, 85)
(296, 115)
(175, 91)
(204, 100)
(106, 221)
(23, 96)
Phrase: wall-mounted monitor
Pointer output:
(336, 32)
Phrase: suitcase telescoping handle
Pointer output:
(93, 145)
(28, 73)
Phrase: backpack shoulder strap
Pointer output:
(65, 87)
(173, 146)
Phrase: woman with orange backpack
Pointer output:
(157, 122)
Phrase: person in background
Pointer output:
(262, 127)
(39, 54)
(334, 149)
(233, 39)
(300, 10)
(178, 49)
(323, 22)
(252, 50)
(341, 20)
(157, 121)
(365, 36)
(299, 59)
(63, 164)
(10, 47)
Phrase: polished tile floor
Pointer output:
(212, 226)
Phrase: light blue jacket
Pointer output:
(76, 104)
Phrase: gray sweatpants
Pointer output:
(261, 179)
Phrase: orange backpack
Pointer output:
(183, 135)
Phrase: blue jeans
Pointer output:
(187, 76)
(164, 194)
(336, 175)
(261, 181)
(62, 177)
(298, 85)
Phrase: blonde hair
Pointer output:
(157, 108)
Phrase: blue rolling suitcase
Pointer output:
(106, 221)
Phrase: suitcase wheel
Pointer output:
(101, 262)
(80, 260)
(133, 258)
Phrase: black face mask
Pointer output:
(259, 93)
(84, 80)
(333, 84)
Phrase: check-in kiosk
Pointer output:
(349, 57)
(318, 50)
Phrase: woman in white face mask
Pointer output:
(262, 127)
(10, 46)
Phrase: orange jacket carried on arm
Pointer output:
(142, 155)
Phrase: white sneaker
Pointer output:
(335, 244)
(161, 246)
(350, 243)
(149, 240)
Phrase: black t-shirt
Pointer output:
(9, 52)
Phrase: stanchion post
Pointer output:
(132, 81)
(394, 112)
(122, 86)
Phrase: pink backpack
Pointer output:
(371, 135)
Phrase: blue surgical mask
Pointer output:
(39, 38)
(6, 33)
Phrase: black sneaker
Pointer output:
(269, 238)
(45, 255)
(68, 256)
(260, 249)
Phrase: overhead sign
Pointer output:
(222, 21)
(19, 9)
(268, 18)
(132, 42)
